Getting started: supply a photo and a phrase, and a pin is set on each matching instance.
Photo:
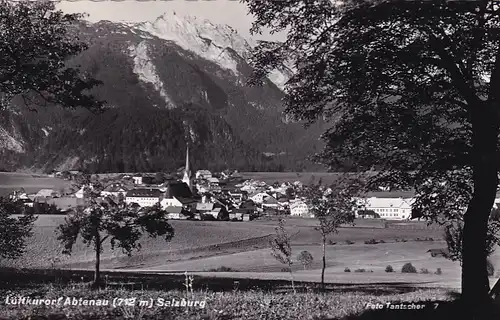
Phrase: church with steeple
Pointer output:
(188, 176)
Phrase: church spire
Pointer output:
(187, 170)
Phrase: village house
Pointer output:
(47, 193)
(144, 197)
(299, 208)
(203, 174)
(177, 213)
(215, 210)
(238, 196)
(259, 197)
(271, 202)
(114, 190)
(142, 179)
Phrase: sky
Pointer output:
(230, 12)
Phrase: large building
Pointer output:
(143, 197)
(387, 208)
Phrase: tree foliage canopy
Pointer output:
(101, 218)
(36, 42)
(14, 230)
(398, 81)
(410, 88)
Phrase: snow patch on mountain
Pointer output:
(7, 141)
(199, 36)
(146, 70)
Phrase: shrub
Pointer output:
(438, 271)
(360, 270)
(381, 241)
(490, 268)
(285, 269)
(349, 242)
(331, 242)
(389, 268)
(222, 269)
(371, 241)
(347, 270)
(424, 271)
(418, 239)
(403, 240)
(305, 258)
(408, 268)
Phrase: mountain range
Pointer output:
(168, 83)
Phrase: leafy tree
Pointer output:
(102, 219)
(306, 258)
(410, 88)
(14, 231)
(332, 207)
(453, 235)
(281, 248)
(35, 44)
(159, 178)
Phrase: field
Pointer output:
(10, 181)
(244, 246)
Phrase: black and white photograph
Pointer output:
(250, 159)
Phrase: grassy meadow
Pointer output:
(243, 247)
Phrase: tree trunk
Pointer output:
(475, 282)
(293, 280)
(97, 272)
(323, 267)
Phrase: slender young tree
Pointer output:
(102, 219)
(333, 207)
(410, 88)
(282, 249)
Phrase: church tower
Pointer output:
(187, 179)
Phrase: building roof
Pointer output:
(173, 209)
(205, 206)
(115, 187)
(387, 202)
(65, 203)
(144, 192)
(270, 200)
(45, 192)
(179, 191)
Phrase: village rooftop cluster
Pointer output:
(206, 196)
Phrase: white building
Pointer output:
(203, 174)
(299, 208)
(143, 197)
(388, 208)
(259, 197)
(137, 179)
